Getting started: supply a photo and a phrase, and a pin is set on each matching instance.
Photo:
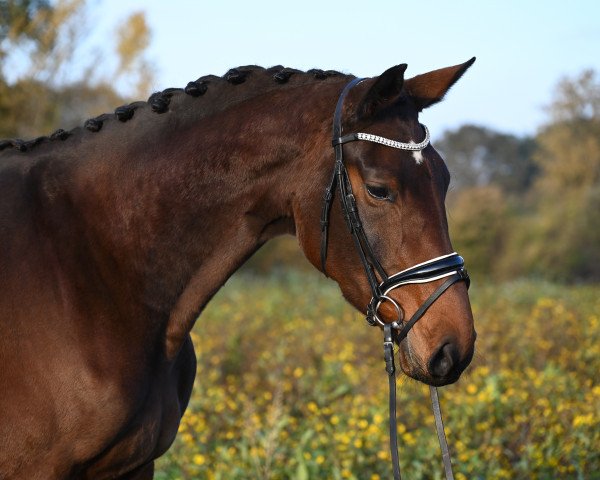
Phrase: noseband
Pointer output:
(450, 266)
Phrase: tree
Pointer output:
(566, 225)
(477, 156)
(491, 172)
(45, 83)
(22, 19)
(477, 219)
(134, 38)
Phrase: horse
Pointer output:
(116, 234)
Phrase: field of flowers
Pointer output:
(291, 385)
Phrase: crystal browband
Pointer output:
(385, 141)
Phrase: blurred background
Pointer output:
(520, 131)
(521, 136)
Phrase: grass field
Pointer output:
(290, 385)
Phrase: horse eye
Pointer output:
(378, 192)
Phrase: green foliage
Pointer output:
(133, 39)
(577, 98)
(25, 108)
(477, 221)
(541, 219)
(477, 156)
(46, 48)
(308, 398)
(567, 194)
(22, 19)
(29, 108)
(49, 78)
(281, 253)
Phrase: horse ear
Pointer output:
(430, 88)
(385, 89)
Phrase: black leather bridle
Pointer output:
(450, 266)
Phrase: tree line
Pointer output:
(54, 74)
(518, 206)
(530, 206)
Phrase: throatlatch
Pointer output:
(450, 266)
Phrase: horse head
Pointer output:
(393, 184)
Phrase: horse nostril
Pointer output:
(443, 360)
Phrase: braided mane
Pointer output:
(262, 80)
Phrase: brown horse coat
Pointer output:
(113, 238)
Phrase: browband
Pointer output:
(369, 137)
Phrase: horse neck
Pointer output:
(176, 217)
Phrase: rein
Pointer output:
(450, 266)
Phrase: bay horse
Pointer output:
(115, 235)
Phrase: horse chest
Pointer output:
(94, 426)
(153, 427)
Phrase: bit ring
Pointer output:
(396, 324)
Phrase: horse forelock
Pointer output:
(262, 80)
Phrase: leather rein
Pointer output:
(450, 266)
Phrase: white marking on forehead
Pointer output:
(418, 156)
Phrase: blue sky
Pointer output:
(522, 47)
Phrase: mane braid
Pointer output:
(124, 112)
(195, 89)
(159, 102)
(235, 76)
(60, 134)
(16, 143)
(93, 124)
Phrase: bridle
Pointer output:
(450, 266)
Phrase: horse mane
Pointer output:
(266, 79)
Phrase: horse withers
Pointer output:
(115, 235)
